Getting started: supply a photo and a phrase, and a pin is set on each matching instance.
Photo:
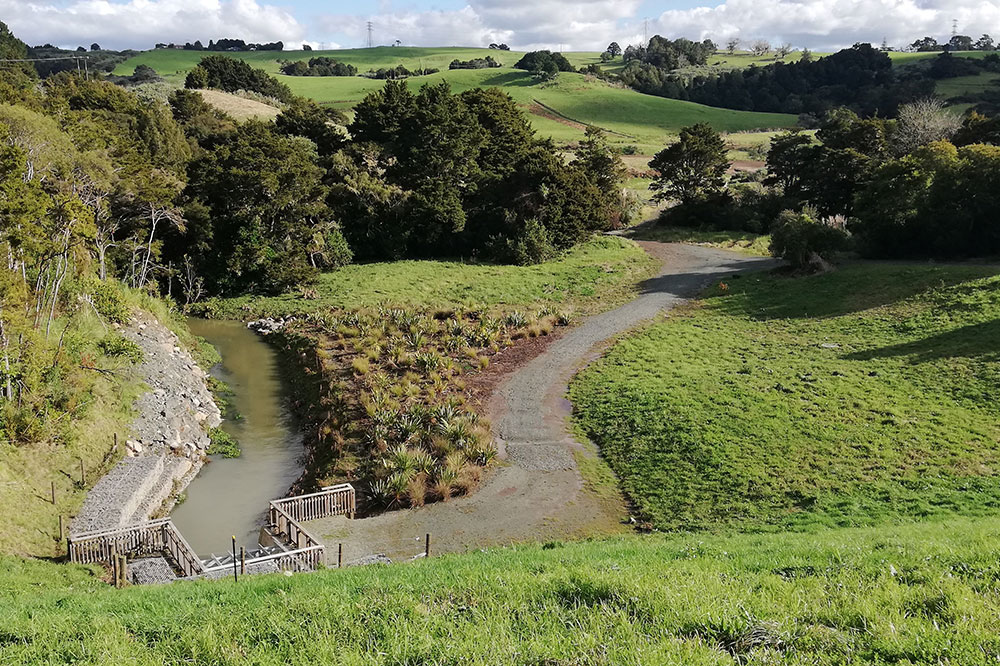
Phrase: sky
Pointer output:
(821, 25)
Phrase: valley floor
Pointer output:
(539, 493)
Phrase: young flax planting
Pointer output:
(390, 406)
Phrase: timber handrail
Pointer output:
(336, 500)
(155, 536)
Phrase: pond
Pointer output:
(230, 496)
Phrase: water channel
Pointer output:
(229, 497)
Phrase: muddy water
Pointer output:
(229, 497)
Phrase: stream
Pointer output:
(229, 497)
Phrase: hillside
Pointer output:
(560, 109)
(851, 398)
(921, 594)
(238, 107)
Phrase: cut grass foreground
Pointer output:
(925, 594)
(594, 274)
(858, 397)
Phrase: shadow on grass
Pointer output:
(689, 283)
(523, 79)
(981, 341)
(851, 289)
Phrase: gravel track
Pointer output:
(539, 494)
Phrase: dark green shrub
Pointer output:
(533, 245)
(110, 303)
(799, 237)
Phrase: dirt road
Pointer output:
(538, 493)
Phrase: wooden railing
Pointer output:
(155, 536)
(162, 537)
(333, 501)
(182, 553)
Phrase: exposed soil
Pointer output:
(537, 493)
(540, 110)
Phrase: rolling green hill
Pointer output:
(560, 109)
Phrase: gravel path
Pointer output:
(539, 494)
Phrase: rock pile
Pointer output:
(267, 325)
(169, 434)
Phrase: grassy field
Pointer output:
(560, 109)
(857, 397)
(601, 270)
(924, 594)
(967, 85)
(739, 241)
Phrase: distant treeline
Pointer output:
(475, 63)
(225, 45)
(398, 72)
(321, 66)
(860, 78)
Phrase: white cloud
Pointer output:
(833, 24)
(141, 23)
(524, 24)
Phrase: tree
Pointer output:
(960, 43)
(230, 75)
(807, 56)
(925, 44)
(604, 168)
(614, 49)
(306, 47)
(732, 45)
(985, 43)
(255, 202)
(692, 169)
(921, 122)
(760, 47)
(782, 51)
(801, 237)
(544, 63)
(95, 47)
(319, 125)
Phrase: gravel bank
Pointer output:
(168, 435)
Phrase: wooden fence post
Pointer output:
(340, 556)
(53, 493)
(427, 545)
(243, 560)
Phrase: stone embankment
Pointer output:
(168, 438)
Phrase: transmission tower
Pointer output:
(371, 40)
(954, 27)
